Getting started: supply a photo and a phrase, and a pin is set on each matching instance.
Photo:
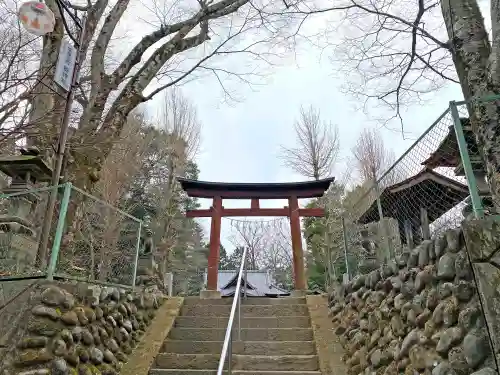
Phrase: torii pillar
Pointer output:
(218, 191)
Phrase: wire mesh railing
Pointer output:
(99, 242)
(90, 240)
(435, 185)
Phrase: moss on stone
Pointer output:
(83, 353)
(89, 313)
(106, 369)
(43, 327)
(70, 318)
(30, 357)
(72, 358)
(84, 369)
(126, 348)
(31, 342)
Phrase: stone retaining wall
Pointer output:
(79, 329)
(420, 314)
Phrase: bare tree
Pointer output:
(371, 156)
(120, 168)
(99, 227)
(144, 163)
(181, 127)
(253, 236)
(398, 52)
(269, 247)
(180, 119)
(19, 54)
(277, 257)
(125, 159)
(167, 53)
(317, 146)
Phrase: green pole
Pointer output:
(59, 231)
(136, 260)
(345, 248)
(477, 205)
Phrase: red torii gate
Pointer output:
(293, 191)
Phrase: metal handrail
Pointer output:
(228, 338)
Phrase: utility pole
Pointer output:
(62, 140)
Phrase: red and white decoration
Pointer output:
(37, 18)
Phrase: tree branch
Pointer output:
(102, 42)
(216, 10)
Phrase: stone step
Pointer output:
(247, 334)
(250, 311)
(237, 372)
(246, 322)
(188, 301)
(239, 362)
(240, 347)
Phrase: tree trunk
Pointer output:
(47, 101)
(471, 51)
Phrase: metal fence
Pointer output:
(90, 239)
(437, 183)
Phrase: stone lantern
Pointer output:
(18, 235)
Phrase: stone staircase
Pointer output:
(276, 339)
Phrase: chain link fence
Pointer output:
(99, 242)
(90, 240)
(436, 184)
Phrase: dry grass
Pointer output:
(327, 342)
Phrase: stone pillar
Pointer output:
(146, 270)
(394, 236)
(482, 239)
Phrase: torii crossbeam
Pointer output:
(292, 191)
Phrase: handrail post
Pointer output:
(246, 274)
(230, 354)
(239, 315)
(227, 346)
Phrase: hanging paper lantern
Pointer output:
(37, 18)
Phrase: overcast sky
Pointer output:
(241, 142)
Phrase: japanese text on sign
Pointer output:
(65, 65)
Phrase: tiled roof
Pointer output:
(260, 284)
